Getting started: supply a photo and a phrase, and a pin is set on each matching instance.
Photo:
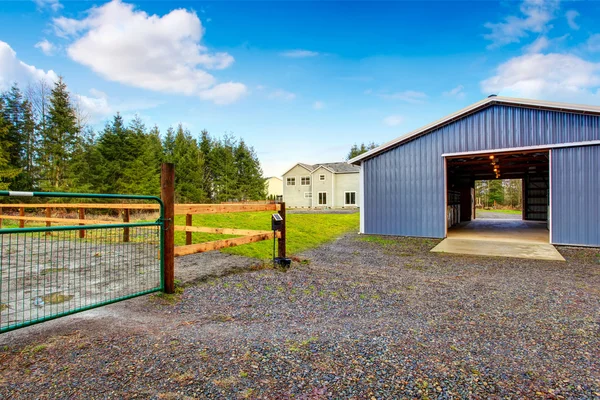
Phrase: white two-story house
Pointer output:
(328, 185)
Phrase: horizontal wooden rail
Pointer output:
(179, 208)
(221, 231)
(221, 244)
(222, 208)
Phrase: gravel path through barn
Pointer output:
(375, 318)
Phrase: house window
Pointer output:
(305, 180)
(291, 181)
(350, 198)
(322, 198)
(321, 177)
(307, 195)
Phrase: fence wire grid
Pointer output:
(45, 274)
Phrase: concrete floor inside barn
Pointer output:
(500, 238)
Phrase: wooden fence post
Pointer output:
(48, 223)
(188, 235)
(126, 220)
(81, 216)
(167, 185)
(281, 240)
(22, 214)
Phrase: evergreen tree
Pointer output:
(205, 146)
(86, 168)
(117, 146)
(224, 170)
(251, 184)
(169, 145)
(7, 172)
(189, 163)
(142, 175)
(356, 150)
(59, 139)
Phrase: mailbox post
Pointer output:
(278, 224)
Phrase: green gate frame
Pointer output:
(159, 222)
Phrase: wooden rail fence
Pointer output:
(167, 194)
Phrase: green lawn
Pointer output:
(304, 231)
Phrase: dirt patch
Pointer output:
(365, 318)
(213, 264)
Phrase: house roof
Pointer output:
(336, 167)
(340, 167)
(576, 108)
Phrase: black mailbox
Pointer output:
(276, 222)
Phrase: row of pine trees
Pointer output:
(46, 144)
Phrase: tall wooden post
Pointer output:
(126, 220)
(167, 185)
(281, 240)
(48, 223)
(81, 216)
(188, 235)
(22, 214)
(48, 215)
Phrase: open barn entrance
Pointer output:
(476, 185)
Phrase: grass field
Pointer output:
(304, 231)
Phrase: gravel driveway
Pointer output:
(375, 318)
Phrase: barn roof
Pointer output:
(550, 105)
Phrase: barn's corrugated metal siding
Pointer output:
(575, 175)
(404, 186)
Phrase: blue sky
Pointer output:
(301, 81)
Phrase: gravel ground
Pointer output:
(382, 318)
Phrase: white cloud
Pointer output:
(54, 5)
(561, 77)
(14, 70)
(393, 120)
(161, 53)
(538, 45)
(318, 105)
(593, 43)
(409, 96)
(457, 92)
(282, 95)
(571, 15)
(299, 53)
(46, 47)
(224, 93)
(536, 16)
(97, 106)
(94, 107)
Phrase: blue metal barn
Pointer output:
(553, 147)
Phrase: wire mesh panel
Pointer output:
(49, 272)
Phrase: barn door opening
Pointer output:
(498, 196)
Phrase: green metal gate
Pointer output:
(50, 272)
